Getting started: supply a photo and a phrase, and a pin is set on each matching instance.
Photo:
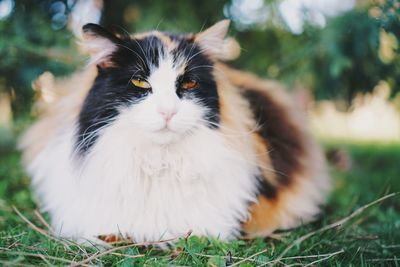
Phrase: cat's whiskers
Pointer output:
(130, 79)
(140, 46)
(191, 48)
(133, 101)
(87, 140)
(89, 135)
(88, 156)
(158, 24)
(105, 120)
(108, 106)
(200, 66)
(126, 32)
(134, 52)
(201, 51)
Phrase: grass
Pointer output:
(368, 237)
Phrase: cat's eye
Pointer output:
(138, 82)
(187, 85)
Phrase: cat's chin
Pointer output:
(166, 137)
(170, 134)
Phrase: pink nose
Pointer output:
(167, 114)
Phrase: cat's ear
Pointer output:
(99, 43)
(214, 42)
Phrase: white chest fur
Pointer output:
(143, 190)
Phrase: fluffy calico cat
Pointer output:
(158, 137)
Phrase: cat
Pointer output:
(158, 136)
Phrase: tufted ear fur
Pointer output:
(99, 43)
(213, 40)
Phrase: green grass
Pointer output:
(371, 238)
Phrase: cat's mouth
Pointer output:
(165, 129)
(167, 134)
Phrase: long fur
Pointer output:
(234, 160)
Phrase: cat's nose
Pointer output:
(167, 114)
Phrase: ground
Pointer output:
(369, 237)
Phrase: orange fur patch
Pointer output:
(114, 239)
(264, 217)
(268, 215)
(264, 161)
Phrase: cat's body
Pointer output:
(192, 145)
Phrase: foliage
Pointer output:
(349, 60)
(29, 46)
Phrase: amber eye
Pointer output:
(187, 85)
(140, 83)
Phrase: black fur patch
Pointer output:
(111, 90)
(266, 189)
(112, 87)
(285, 140)
(199, 68)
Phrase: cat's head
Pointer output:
(161, 85)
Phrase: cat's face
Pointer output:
(161, 85)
